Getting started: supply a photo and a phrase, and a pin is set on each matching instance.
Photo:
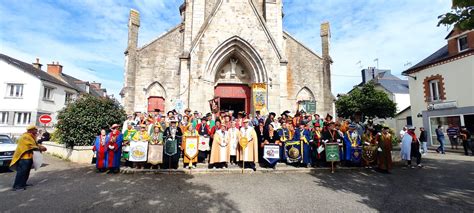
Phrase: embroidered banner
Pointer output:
(204, 144)
(138, 151)
(259, 95)
(191, 146)
(332, 152)
(171, 147)
(271, 153)
(155, 154)
(356, 154)
(293, 151)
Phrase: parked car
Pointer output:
(7, 148)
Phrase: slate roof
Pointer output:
(67, 80)
(394, 86)
(29, 68)
(439, 55)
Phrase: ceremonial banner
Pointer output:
(293, 151)
(191, 146)
(259, 93)
(171, 147)
(155, 154)
(271, 153)
(214, 104)
(369, 153)
(332, 152)
(204, 144)
(356, 154)
(138, 151)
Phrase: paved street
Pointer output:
(444, 185)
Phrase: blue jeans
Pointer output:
(23, 168)
(441, 145)
(425, 147)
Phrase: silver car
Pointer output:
(7, 148)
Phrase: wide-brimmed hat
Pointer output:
(114, 126)
(246, 120)
(31, 127)
(187, 110)
(411, 127)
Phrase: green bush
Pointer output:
(82, 120)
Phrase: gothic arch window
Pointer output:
(305, 94)
(155, 89)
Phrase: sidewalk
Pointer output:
(281, 168)
(448, 149)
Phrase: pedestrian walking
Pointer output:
(453, 134)
(466, 140)
(423, 140)
(441, 139)
(23, 157)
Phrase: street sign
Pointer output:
(45, 119)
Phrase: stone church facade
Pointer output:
(219, 51)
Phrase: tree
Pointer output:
(461, 15)
(82, 120)
(368, 101)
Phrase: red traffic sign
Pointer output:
(45, 119)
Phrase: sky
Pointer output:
(89, 37)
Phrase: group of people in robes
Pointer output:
(227, 139)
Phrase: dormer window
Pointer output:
(462, 43)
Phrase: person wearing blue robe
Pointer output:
(284, 134)
(303, 135)
(351, 141)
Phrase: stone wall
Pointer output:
(158, 61)
(305, 70)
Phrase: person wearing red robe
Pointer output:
(100, 150)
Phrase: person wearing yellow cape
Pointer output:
(249, 154)
(23, 157)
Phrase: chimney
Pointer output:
(37, 65)
(55, 69)
(96, 85)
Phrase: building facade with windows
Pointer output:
(234, 54)
(442, 85)
(27, 92)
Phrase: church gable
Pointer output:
(158, 61)
(238, 17)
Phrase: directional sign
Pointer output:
(45, 119)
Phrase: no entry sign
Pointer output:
(45, 119)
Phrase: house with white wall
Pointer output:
(27, 92)
(396, 90)
(441, 85)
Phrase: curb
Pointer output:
(284, 170)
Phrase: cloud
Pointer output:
(395, 32)
(86, 35)
(83, 35)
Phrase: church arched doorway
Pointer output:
(235, 97)
(233, 68)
